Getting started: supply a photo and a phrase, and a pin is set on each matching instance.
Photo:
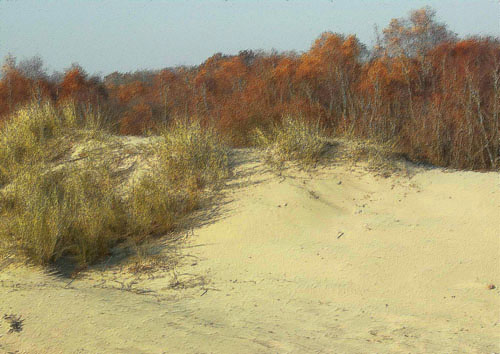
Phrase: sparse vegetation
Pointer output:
(382, 159)
(15, 322)
(293, 139)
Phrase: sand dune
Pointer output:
(339, 260)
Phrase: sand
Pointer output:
(339, 260)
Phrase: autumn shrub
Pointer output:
(136, 120)
(294, 139)
(186, 159)
(68, 211)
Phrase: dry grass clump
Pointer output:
(40, 133)
(68, 211)
(156, 206)
(292, 140)
(29, 136)
(53, 208)
(383, 159)
(193, 154)
(187, 159)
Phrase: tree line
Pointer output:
(436, 96)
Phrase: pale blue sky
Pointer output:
(104, 36)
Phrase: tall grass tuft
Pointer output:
(27, 138)
(292, 140)
(187, 158)
(39, 133)
(69, 211)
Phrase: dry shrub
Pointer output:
(292, 140)
(156, 206)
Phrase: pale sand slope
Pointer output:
(410, 274)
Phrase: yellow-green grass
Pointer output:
(40, 133)
(187, 158)
(69, 211)
(52, 209)
(293, 139)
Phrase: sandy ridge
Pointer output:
(335, 261)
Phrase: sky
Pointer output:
(127, 35)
